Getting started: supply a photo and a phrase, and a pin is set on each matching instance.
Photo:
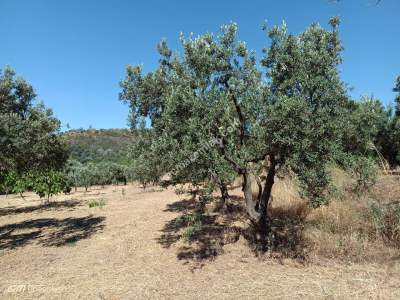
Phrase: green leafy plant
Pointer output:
(97, 203)
(8, 182)
(22, 184)
(48, 184)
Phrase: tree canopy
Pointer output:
(29, 133)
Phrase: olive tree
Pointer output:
(29, 133)
(214, 111)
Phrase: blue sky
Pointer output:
(75, 52)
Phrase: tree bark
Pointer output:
(263, 224)
(257, 208)
(251, 204)
(223, 189)
(224, 192)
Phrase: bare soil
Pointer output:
(132, 248)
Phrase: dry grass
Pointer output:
(351, 228)
(134, 248)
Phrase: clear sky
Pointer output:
(74, 52)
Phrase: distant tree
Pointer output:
(86, 176)
(364, 140)
(147, 164)
(397, 99)
(215, 98)
(388, 139)
(72, 169)
(367, 118)
(395, 125)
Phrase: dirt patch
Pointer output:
(132, 248)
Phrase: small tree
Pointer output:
(85, 176)
(48, 184)
(7, 182)
(22, 184)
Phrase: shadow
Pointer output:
(182, 205)
(60, 205)
(49, 232)
(205, 234)
(287, 225)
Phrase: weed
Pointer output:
(386, 221)
(97, 203)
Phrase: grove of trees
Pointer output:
(208, 115)
(32, 150)
(35, 156)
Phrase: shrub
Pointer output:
(97, 203)
(50, 183)
(386, 221)
(365, 171)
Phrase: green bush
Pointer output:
(365, 172)
(97, 203)
(50, 183)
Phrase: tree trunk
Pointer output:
(224, 196)
(224, 192)
(263, 224)
(223, 189)
(251, 203)
(257, 208)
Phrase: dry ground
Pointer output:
(132, 249)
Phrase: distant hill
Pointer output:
(97, 145)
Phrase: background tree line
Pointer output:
(36, 156)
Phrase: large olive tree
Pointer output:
(214, 111)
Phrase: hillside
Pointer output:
(99, 144)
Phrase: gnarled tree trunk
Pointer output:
(223, 187)
(257, 207)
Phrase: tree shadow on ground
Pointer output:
(49, 232)
(287, 230)
(226, 226)
(205, 234)
(59, 205)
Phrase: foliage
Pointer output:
(91, 173)
(97, 203)
(22, 184)
(396, 89)
(8, 182)
(92, 145)
(29, 132)
(146, 162)
(371, 130)
(192, 222)
(48, 184)
(365, 173)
